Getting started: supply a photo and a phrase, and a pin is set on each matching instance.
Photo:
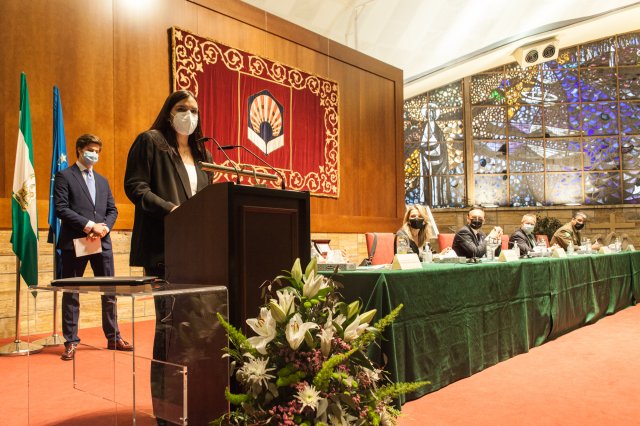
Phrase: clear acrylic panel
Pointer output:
(630, 152)
(526, 155)
(526, 190)
(563, 155)
(602, 188)
(561, 85)
(489, 122)
(448, 191)
(564, 188)
(600, 119)
(630, 118)
(562, 120)
(601, 153)
(489, 157)
(491, 190)
(629, 82)
(631, 187)
(525, 121)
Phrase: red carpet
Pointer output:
(588, 377)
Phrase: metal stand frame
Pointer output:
(54, 339)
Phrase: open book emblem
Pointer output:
(265, 126)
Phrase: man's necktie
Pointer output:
(91, 184)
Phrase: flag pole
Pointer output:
(54, 339)
(18, 347)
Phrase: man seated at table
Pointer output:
(470, 241)
(569, 233)
(523, 237)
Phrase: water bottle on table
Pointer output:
(402, 245)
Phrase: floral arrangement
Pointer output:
(307, 363)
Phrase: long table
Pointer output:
(459, 319)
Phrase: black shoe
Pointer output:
(69, 352)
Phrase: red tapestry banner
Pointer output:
(285, 116)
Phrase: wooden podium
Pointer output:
(238, 236)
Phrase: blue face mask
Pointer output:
(90, 157)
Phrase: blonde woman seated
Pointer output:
(416, 229)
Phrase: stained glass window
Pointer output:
(563, 132)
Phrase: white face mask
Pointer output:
(528, 228)
(185, 122)
(90, 157)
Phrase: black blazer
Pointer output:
(73, 205)
(467, 244)
(155, 181)
(525, 242)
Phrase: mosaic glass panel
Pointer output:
(491, 190)
(523, 86)
(599, 119)
(598, 84)
(486, 89)
(564, 188)
(490, 157)
(525, 121)
(602, 188)
(629, 82)
(526, 190)
(567, 58)
(448, 191)
(488, 122)
(631, 187)
(526, 155)
(601, 154)
(629, 49)
(414, 191)
(412, 166)
(562, 120)
(445, 158)
(630, 117)
(630, 152)
(563, 155)
(449, 96)
(561, 85)
(599, 53)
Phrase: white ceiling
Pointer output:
(438, 41)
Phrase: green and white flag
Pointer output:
(24, 236)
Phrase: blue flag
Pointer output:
(58, 162)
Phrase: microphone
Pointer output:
(226, 147)
(235, 167)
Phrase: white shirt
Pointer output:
(193, 177)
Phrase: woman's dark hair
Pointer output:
(163, 125)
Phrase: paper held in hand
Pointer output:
(86, 247)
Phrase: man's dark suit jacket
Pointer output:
(467, 244)
(74, 207)
(155, 181)
(525, 242)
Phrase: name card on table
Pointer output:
(406, 262)
(604, 250)
(558, 252)
(508, 256)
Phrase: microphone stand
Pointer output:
(282, 185)
(233, 165)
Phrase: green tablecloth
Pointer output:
(460, 319)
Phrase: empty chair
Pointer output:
(382, 253)
(504, 239)
(445, 241)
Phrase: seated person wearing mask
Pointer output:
(570, 233)
(415, 228)
(523, 236)
(470, 241)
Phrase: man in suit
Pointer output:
(523, 236)
(470, 241)
(86, 208)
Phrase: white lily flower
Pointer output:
(313, 284)
(286, 301)
(296, 330)
(265, 327)
(326, 336)
(355, 329)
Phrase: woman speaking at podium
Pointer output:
(163, 172)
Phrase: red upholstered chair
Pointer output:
(544, 237)
(384, 247)
(505, 242)
(445, 240)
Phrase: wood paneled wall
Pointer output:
(110, 59)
